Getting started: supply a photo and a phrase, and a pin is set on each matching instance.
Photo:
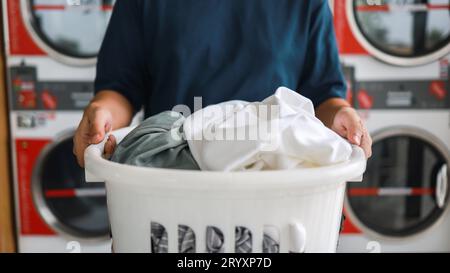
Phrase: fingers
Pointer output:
(348, 124)
(99, 124)
(77, 151)
(92, 129)
(80, 141)
(357, 133)
(354, 127)
(110, 146)
(366, 144)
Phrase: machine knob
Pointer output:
(49, 100)
(364, 99)
(437, 90)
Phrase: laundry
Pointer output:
(156, 142)
(214, 239)
(186, 239)
(280, 132)
(271, 239)
(159, 241)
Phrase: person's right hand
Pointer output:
(96, 122)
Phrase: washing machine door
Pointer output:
(405, 187)
(405, 33)
(65, 201)
(71, 31)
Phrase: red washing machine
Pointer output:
(51, 49)
(395, 56)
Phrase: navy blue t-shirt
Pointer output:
(162, 53)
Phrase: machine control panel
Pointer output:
(399, 94)
(29, 93)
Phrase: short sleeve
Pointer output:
(322, 76)
(121, 66)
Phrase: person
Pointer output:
(162, 53)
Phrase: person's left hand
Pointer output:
(348, 124)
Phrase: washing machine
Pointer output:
(51, 49)
(395, 57)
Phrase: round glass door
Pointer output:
(406, 32)
(404, 190)
(64, 199)
(71, 31)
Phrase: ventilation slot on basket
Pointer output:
(271, 239)
(159, 241)
(214, 240)
(243, 243)
(186, 239)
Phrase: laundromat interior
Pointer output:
(394, 57)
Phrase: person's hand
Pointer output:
(348, 124)
(96, 122)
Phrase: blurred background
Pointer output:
(395, 56)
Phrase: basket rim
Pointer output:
(104, 170)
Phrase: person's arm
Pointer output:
(121, 80)
(323, 81)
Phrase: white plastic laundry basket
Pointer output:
(304, 205)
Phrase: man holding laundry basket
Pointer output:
(161, 53)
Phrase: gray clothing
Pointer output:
(152, 144)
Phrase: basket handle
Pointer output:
(96, 150)
(297, 238)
